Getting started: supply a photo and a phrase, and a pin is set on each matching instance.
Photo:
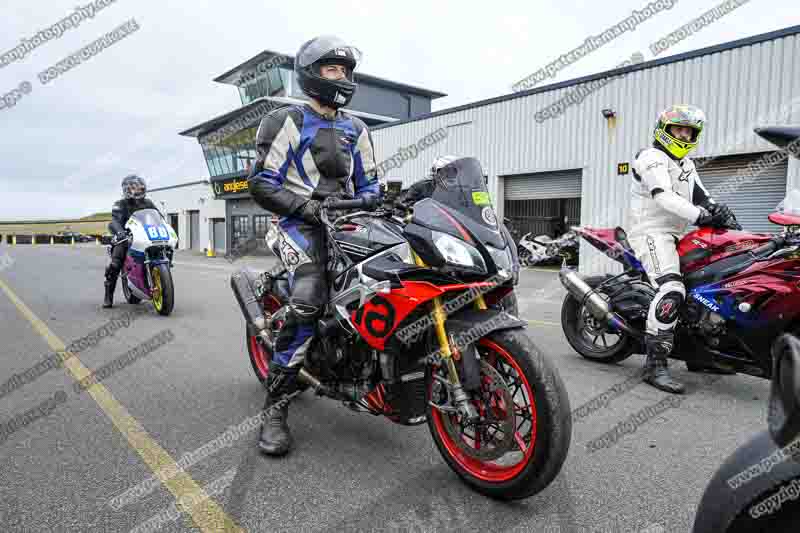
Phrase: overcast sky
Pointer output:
(65, 146)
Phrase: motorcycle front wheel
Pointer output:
(163, 289)
(521, 438)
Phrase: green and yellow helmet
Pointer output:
(679, 115)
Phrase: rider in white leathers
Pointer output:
(667, 196)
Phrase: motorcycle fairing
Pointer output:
(612, 242)
(706, 246)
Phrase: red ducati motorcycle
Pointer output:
(417, 330)
(742, 293)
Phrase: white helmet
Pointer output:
(441, 162)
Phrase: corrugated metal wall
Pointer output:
(738, 89)
(565, 184)
(755, 198)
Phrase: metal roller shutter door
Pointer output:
(755, 198)
(194, 229)
(544, 185)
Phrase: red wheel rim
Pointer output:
(261, 356)
(489, 471)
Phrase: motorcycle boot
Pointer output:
(110, 286)
(656, 372)
(276, 439)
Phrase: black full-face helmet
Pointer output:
(326, 50)
(133, 187)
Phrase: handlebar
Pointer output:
(357, 203)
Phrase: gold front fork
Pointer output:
(439, 317)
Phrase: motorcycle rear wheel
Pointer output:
(126, 291)
(593, 341)
(519, 465)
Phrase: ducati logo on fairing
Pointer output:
(701, 244)
(705, 301)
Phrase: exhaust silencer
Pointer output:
(243, 286)
(595, 304)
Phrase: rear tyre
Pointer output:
(259, 355)
(588, 337)
(525, 427)
(126, 291)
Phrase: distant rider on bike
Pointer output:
(133, 199)
(666, 196)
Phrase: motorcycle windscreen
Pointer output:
(153, 224)
(461, 188)
(149, 217)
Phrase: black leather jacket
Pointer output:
(122, 211)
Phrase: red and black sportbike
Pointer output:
(415, 331)
(743, 292)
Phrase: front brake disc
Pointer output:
(501, 441)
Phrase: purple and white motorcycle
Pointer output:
(147, 273)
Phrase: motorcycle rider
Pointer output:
(133, 199)
(306, 153)
(424, 188)
(667, 195)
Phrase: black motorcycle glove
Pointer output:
(704, 218)
(310, 212)
(720, 217)
(120, 236)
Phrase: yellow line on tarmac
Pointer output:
(544, 323)
(206, 514)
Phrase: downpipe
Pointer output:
(594, 303)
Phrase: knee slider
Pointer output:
(668, 301)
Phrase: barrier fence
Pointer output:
(45, 238)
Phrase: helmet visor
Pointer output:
(324, 45)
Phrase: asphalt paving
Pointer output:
(66, 459)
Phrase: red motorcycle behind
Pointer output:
(743, 293)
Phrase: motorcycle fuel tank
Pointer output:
(707, 245)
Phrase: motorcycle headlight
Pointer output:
(502, 260)
(458, 252)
